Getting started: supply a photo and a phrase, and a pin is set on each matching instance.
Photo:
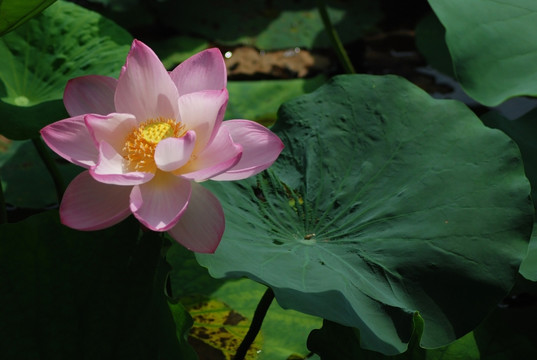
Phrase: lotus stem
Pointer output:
(255, 326)
(334, 38)
(51, 167)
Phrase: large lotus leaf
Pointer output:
(522, 131)
(270, 25)
(68, 294)
(384, 202)
(14, 13)
(492, 44)
(38, 59)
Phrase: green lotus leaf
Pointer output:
(522, 131)
(38, 59)
(14, 13)
(493, 47)
(384, 202)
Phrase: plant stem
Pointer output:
(3, 210)
(255, 326)
(51, 167)
(334, 38)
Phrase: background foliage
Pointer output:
(393, 223)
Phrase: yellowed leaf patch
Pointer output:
(218, 330)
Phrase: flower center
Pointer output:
(140, 144)
(154, 132)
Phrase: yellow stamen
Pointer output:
(140, 144)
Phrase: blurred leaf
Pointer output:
(430, 40)
(522, 131)
(23, 122)
(369, 214)
(268, 95)
(14, 13)
(68, 294)
(494, 54)
(499, 338)
(65, 41)
(271, 25)
(20, 166)
(183, 322)
(136, 16)
(38, 59)
(528, 268)
(510, 331)
(119, 5)
(464, 348)
(174, 50)
(190, 279)
(338, 342)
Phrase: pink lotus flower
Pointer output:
(147, 139)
